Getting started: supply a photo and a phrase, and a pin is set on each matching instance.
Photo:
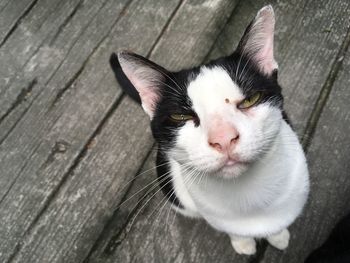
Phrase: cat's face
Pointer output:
(220, 117)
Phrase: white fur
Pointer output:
(258, 199)
(245, 245)
(280, 240)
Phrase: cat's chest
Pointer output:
(228, 198)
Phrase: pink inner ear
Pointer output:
(144, 80)
(147, 90)
(261, 39)
(149, 100)
(265, 56)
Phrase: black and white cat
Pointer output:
(226, 152)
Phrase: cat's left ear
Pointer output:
(257, 41)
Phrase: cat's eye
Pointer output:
(250, 101)
(181, 117)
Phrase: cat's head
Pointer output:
(219, 117)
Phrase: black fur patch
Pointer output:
(174, 99)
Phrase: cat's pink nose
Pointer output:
(222, 137)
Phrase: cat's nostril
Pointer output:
(235, 139)
(216, 146)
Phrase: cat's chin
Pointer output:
(232, 171)
(229, 170)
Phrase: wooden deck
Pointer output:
(71, 143)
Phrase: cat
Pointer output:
(226, 151)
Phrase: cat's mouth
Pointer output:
(231, 161)
(233, 167)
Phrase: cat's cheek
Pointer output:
(258, 113)
(189, 138)
(251, 113)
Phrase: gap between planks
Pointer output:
(18, 22)
(324, 93)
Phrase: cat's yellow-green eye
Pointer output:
(181, 117)
(250, 101)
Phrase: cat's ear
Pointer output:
(145, 76)
(257, 41)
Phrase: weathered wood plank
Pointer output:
(62, 77)
(34, 53)
(85, 41)
(43, 21)
(191, 32)
(101, 161)
(82, 206)
(39, 153)
(330, 183)
(10, 15)
(308, 37)
(3, 4)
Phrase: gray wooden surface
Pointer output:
(77, 156)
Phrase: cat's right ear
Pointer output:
(146, 76)
(257, 41)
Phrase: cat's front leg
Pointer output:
(243, 245)
(279, 240)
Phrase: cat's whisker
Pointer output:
(160, 179)
(167, 201)
(144, 205)
(165, 197)
(137, 176)
(154, 183)
(186, 182)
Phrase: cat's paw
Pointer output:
(280, 240)
(245, 246)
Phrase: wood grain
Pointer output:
(11, 13)
(32, 165)
(56, 33)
